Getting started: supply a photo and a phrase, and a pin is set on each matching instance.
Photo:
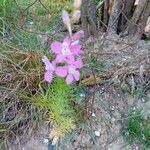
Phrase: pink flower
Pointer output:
(50, 68)
(65, 50)
(73, 74)
(74, 39)
(61, 71)
(77, 36)
(67, 56)
(77, 63)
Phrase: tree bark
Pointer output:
(88, 18)
(84, 20)
(140, 16)
(127, 12)
(106, 15)
(114, 18)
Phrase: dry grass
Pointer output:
(20, 71)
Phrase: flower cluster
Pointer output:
(67, 60)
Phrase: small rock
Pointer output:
(112, 107)
(93, 115)
(45, 141)
(31, 23)
(134, 108)
(82, 95)
(143, 100)
(97, 133)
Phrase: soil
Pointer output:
(124, 60)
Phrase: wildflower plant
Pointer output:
(60, 72)
(67, 54)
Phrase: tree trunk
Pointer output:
(127, 12)
(106, 15)
(88, 17)
(114, 18)
(139, 18)
(84, 17)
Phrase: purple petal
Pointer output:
(59, 58)
(78, 35)
(75, 42)
(56, 47)
(70, 59)
(67, 40)
(48, 76)
(75, 49)
(76, 75)
(69, 79)
(48, 64)
(78, 63)
(71, 69)
(61, 71)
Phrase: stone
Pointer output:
(97, 133)
(46, 141)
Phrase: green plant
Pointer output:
(137, 129)
(56, 99)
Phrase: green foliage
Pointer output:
(137, 128)
(5, 7)
(97, 1)
(56, 100)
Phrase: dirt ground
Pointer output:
(120, 60)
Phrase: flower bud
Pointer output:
(65, 17)
(66, 21)
(76, 16)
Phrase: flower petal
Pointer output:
(70, 59)
(59, 58)
(48, 64)
(71, 69)
(56, 47)
(69, 79)
(75, 49)
(78, 35)
(48, 76)
(78, 63)
(67, 39)
(61, 71)
(76, 75)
